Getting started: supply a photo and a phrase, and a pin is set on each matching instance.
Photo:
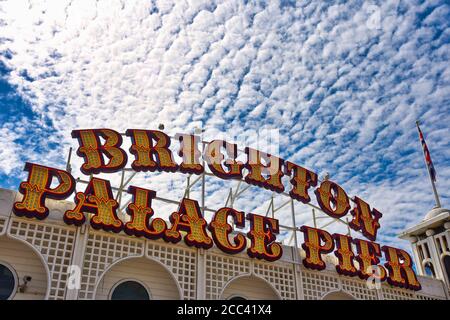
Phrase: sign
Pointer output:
(102, 153)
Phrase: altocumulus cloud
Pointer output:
(343, 81)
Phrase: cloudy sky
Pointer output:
(342, 81)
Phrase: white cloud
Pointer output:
(9, 151)
(344, 94)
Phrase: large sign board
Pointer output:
(102, 153)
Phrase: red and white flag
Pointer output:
(426, 152)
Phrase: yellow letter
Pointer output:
(37, 188)
(262, 235)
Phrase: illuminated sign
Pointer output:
(102, 153)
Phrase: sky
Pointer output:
(342, 82)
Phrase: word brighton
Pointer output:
(102, 153)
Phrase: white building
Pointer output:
(430, 241)
(41, 260)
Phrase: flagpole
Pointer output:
(436, 195)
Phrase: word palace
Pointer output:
(102, 153)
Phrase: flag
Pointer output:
(426, 152)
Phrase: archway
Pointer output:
(446, 263)
(429, 269)
(249, 287)
(27, 266)
(338, 295)
(157, 280)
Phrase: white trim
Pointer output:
(236, 295)
(338, 291)
(127, 280)
(15, 276)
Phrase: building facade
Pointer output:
(430, 241)
(51, 260)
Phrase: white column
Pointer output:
(416, 258)
(297, 274)
(201, 274)
(76, 268)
